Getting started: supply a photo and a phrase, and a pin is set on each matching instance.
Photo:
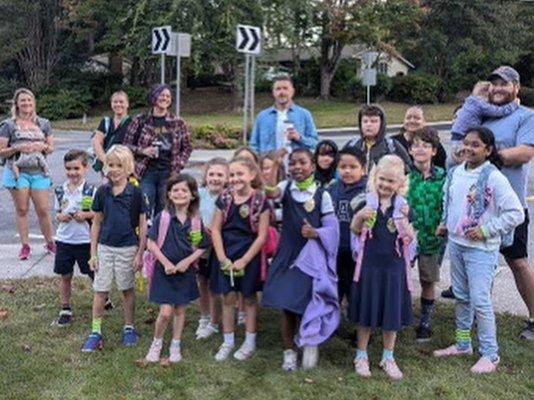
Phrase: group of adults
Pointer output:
(161, 146)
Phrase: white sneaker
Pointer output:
(202, 323)
(154, 353)
(290, 360)
(310, 356)
(207, 331)
(224, 352)
(175, 354)
(241, 318)
(244, 352)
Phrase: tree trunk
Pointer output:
(115, 64)
(326, 81)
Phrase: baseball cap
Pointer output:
(506, 73)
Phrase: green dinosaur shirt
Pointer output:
(425, 197)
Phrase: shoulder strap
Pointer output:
(226, 199)
(196, 223)
(258, 200)
(136, 206)
(163, 227)
(446, 188)
(59, 192)
(391, 145)
(107, 125)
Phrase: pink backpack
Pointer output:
(149, 260)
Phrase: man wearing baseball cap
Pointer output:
(514, 137)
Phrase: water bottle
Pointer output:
(157, 144)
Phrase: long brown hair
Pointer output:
(257, 182)
(193, 188)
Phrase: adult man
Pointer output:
(514, 136)
(283, 126)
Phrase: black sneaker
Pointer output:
(423, 334)
(528, 334)
(65, 318)
(448, 293)
(109, 305)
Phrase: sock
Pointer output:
(463, 339)
(175, 343)
(427, 307)
(531, 320)
(250, 339)
(387, 355)
(205, 317)
(66, 307)
(129, 327)
(361, 354)
(97, 326)
(157, 342)
(229, 339)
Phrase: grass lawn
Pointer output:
(40, 361)
(209, 106)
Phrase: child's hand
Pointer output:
(169, 268)
(138, 262)
(93, 263)
(441, 230)
(63, 217)
(79, 216)
(308, 231)
(239, 265)
(366, 213)
(182, 266)
(475, 233)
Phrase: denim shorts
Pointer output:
(25, 181)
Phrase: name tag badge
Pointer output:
(309, 205)
(244, 211)
(391, 225)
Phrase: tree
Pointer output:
(29, 35)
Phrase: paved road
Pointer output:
(505, 295)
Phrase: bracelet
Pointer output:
(270, 189)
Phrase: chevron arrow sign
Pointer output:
(161, 40)
(248, 39)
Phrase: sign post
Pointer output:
(248, 41)
(182, 48)
(161, 40)
(369, 73)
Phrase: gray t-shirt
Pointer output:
(16, 136)
(511, 131)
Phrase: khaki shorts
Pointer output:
(429, 266)
(115, 263)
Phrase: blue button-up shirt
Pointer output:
(263, 138)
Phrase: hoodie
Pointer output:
(382, 145)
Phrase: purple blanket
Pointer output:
(318, 260)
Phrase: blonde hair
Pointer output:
(14, 107)
(125, 157)
(390, 163)
(481, 89)
(257, 182)
(120, 93)
(211, 163)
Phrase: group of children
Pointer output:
(351, 224)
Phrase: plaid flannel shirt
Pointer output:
(141, 134)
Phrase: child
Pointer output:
(425, 198)
(173, 285)
(36, 161)
(326, 158)
(472, 113)
(247, 152)
(239, 230)
(480, 211)
(373, 141)
(302, 277)
(346, 193)
(214, 182)
(380, 294)
(118, 238)
(73, 202)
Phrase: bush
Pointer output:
(346, 82)
(137, 96)
(63, 104)
(7, 88)
(216, 137)
(415, 89)
(526, 94)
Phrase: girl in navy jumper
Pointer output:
(304, 204)
(173, 285)
(380, 294)
(239, 231)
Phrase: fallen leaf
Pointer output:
(309, 380)
(339, 379)
(26, 348)
(165, 363)
(39, 307)
(3, 314)
(9, 289)
(141, 363)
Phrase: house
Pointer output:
(388, 64)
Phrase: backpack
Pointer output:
(88, 191)
(482, 197)
(97, 164)
(256, 205)
(403, 247)
(149, 260)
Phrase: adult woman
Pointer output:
(26, 133)
(161, 145)
(414, 120)
(111, 130)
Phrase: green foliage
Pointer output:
(415, 89)
(526, 94)
(64, 104)
(216, 137)
(137, 96)
(7, 88)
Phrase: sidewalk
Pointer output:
(505, 296)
